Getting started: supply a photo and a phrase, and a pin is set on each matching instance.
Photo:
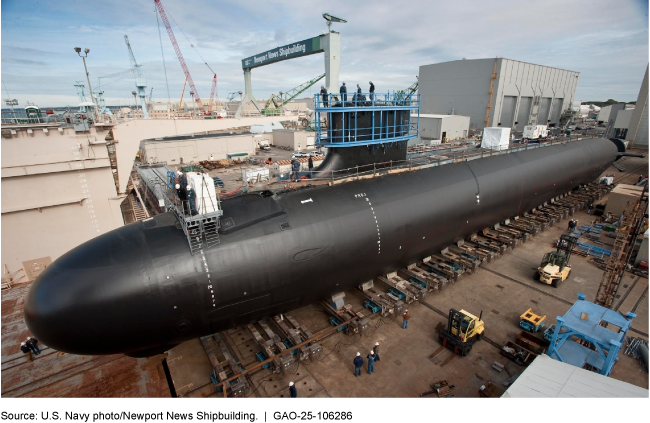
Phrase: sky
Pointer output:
(383, 41)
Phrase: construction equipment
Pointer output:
(463, 330)
(405, 95)
(518, 354)
(186, 71)
(531, 322)
(182, 93)
(629, 228)
(555, 267)
(140, 82)
(290, 95)
(212, 93)
(548, 333)
(491, 92)
(441, 388)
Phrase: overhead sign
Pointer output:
(278, 54)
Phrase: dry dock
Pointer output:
(502, 289)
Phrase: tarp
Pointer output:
(496, 138)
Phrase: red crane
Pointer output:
(163, 16)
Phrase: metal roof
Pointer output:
(548, 378)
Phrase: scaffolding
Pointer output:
(626, 233)
(199, 218)
(590, 336)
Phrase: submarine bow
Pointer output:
(138, 290)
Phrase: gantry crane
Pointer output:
(140, 82)
(172, 38)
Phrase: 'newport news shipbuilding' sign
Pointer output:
(290, 51)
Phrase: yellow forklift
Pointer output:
(555, 266)
(463, 330)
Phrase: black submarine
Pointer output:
(137, 289)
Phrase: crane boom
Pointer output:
(290, 95)
(134, 65)
(140, 82)
(177, 49)
(214, 90)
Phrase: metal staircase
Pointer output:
(201, 229)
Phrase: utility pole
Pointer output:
(86, 51)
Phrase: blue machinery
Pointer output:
(586, 324)
(366, 119)
(372, 306)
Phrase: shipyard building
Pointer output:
(637, 134)
(497, 92)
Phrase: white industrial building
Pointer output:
(509, 92)
(187, 149)
(435, 128)
(295, 140)
(637, 134)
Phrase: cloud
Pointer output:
(383, 41)
(23, 61)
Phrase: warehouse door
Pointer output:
(544, 109)
(524, 111)
(508, 111)
(557, 111)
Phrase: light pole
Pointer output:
(86, 51)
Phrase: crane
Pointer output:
(172, 38)
(80, 91)
(290, 95)
(406, 94)
(140, 82)
(212, 92)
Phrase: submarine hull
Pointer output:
(138, 290)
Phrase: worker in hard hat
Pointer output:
(344, 92)
(191, 199)
(376, 350)
(292, 390)
(25, 349)
(371, 362)
(358, 364)
(32, 344)
(323, 95)
(406, 316)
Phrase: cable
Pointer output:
(188, 40)
(163, 55)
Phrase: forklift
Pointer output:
(555, 266)
(463, 330)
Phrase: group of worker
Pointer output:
(29, 347)
(185, 193)
(343, 91)
(295, 168)
(372, 357)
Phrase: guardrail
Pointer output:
(423, 162)
(359, 119)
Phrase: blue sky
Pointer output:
(383, 41)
